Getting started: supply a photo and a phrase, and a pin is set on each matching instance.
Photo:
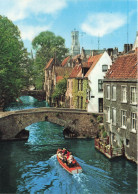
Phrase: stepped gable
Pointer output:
(64, 62)
(125, 67)
(92, 61)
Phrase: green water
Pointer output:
(31, 166)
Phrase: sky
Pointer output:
(101, 23)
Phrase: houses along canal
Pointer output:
(31, 166)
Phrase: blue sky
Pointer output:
(108, 19)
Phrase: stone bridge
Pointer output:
(78, 124)
(38, 94)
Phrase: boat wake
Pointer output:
(66, 182)
(49, 177)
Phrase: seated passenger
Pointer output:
(64, 159)
(68, 153)
(60, 155)
(64, 151)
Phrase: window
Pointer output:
(123, 93)
(71, 101)
(113, 116)
(113, 92)
(81, 102)
(80, 85)
(133, 121)
(78, 99)
(89, 94)
(100, 85)
(108, 115)
(72, 85)
(104, 68)
(133, 97)
(127, 142)
(123, 119)
(108, 92)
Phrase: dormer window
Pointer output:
(104, 68)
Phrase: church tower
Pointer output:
(75, 47)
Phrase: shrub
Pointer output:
(101, 127)
(94, 115)
(104, 134)
(100, 119)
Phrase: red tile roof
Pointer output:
(49, 63)
(76, 70)
(58, 78)
(92, 61)
(125, 67)
(64, 62)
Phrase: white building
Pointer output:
(99, 66)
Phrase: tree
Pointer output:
(47, 45)
(13, 59)
(60, 89)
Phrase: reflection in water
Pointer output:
(31, 166)
(26, 102)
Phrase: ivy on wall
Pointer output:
(78, 93)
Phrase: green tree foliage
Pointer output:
(13, 60)
(47, 45)
(60, 89)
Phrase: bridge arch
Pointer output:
(78, 122)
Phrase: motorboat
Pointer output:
(74, 169)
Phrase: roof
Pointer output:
(49, 63)
(76, 57)
(76, 70)
(125, 67)
(63, 71)
(85, 64)
(92, 61)
(58, 78)
(64, 62)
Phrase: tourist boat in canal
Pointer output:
(72, 170)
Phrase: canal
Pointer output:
(31, 166)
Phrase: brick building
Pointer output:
(53, 74)
(120, 104)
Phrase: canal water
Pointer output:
(31, 166)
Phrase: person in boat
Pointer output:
(60, 154)
(70, 160)
(64, 151)
(68, 153)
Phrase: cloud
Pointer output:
(100, 24)
(20, 9)
(29, 32)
